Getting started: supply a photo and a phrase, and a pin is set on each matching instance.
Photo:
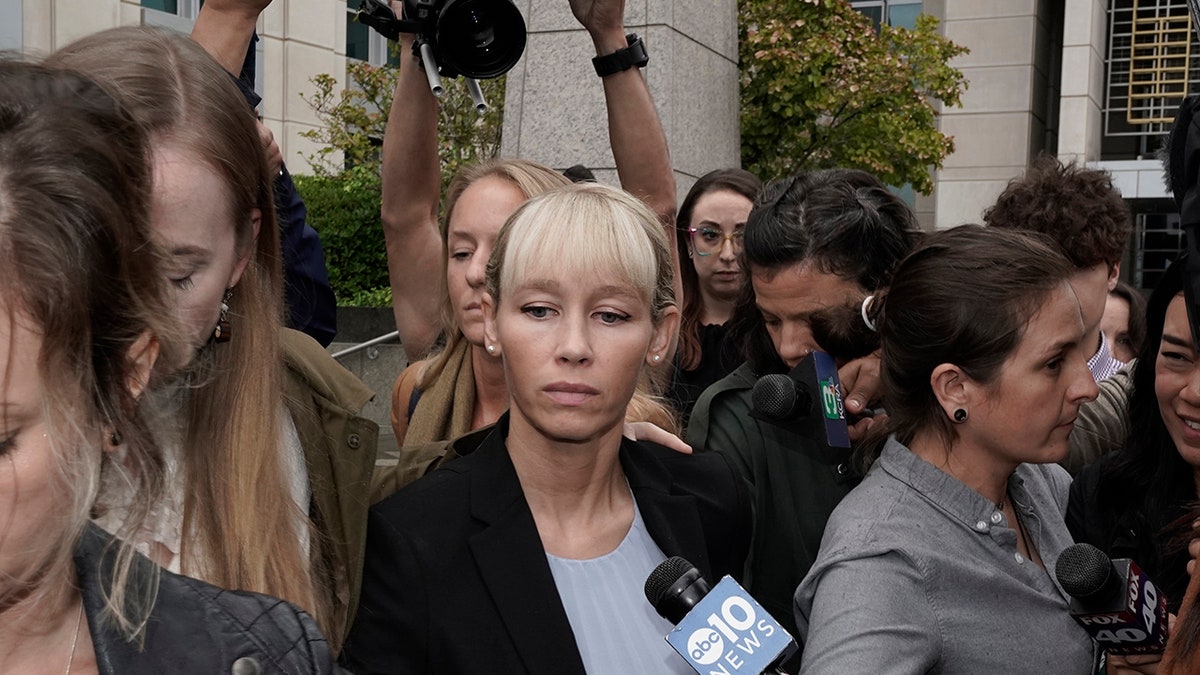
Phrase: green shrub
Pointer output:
(344, 209)
(374, 297)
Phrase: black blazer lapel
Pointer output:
(672, 520)
(512, 563)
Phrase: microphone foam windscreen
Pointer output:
(774, 396)
(1083, 569)
(664, 576)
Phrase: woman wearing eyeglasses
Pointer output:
(709, 235)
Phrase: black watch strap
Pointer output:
(633, 56)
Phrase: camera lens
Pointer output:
(480, 30)
(480, 40)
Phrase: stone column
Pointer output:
(1085, 33)
(554, 108)
(1001, 124)
(299, 39)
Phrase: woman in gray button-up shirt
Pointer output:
(941, 560)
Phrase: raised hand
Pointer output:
(601, 18)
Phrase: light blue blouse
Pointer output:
(616, 628)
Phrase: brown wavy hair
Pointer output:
(240, 525)
(78, 262)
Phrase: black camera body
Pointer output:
(478, 39)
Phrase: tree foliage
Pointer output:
(353, 120)
(822, 88)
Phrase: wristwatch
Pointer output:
(623, 59)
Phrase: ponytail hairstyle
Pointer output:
(840, 221)
(737, 181)
(963, 297)
(241, 527)
(78, 265)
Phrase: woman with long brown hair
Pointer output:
(708, 232)
(270, 465)
(85, 326)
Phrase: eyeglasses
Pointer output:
(710, 240)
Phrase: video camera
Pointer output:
(478, 39)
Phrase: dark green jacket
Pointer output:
(339, 451)
(795, 485)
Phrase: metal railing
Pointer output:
(373, 342)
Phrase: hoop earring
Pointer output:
(866, 304)
(223, 332)
(960, 415)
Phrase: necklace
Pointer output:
(75, 640)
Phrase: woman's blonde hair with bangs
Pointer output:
(588, 229)
(580, 228)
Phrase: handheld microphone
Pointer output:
(807, 401)
(1113, 600)
(778, 397)
(719, 629)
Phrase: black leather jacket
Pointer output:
(195, 627)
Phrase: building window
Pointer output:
(901, 14)
(1151, 65)
(1157, 241)
(364, 44)
(11, 26)
(898, 13)
(187, 9)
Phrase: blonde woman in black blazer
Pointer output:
(461, 571)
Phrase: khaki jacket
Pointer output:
(325, 400)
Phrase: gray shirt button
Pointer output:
(1018, 557)
(997, 518)
(981, 526)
